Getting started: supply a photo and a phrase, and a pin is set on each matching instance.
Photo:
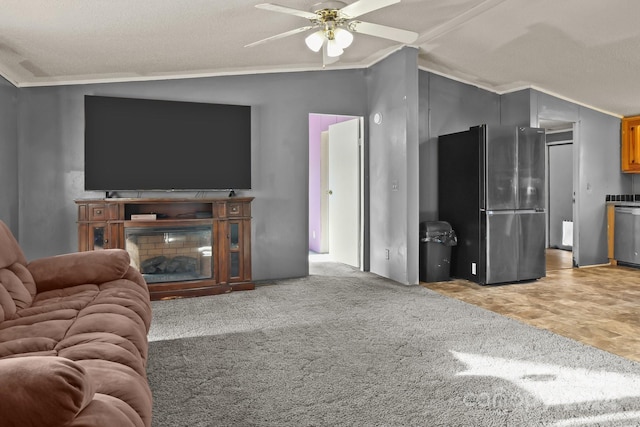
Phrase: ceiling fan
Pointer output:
(335, 22)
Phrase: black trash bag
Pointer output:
(447, 238)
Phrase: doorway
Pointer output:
(560, 194)
(336, 189)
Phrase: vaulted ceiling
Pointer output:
(587, 51)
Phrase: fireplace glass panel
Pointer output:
(171, 254)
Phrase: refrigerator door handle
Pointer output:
(501, 212)
(529, 211)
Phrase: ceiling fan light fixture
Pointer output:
(315, 40)
(333, 48)
(343, 37)
(335, 22)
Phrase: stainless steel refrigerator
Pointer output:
(491, 182)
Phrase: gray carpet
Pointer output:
(346, 348)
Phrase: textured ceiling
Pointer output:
(586, 51)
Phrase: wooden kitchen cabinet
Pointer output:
(630, 144)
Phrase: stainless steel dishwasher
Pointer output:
(626, 238)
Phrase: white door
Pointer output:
(344, 194)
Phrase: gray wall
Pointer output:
(599, 174)
(516, 109)
(51, 138)
(9, 156)
(393, 166)
(446, 106)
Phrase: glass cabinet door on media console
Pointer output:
(98, 236)
(96, 231)
(236, 251)
(183, 247)
(239, 242)
(103, 236)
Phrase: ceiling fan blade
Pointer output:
(361, 7)
(287, 10)
(281, 35)
(402, 36)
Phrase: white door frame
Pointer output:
(363, 263)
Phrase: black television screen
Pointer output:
(144, 144)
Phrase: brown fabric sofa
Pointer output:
(73, 339)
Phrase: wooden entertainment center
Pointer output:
(183, 247)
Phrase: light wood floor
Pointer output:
(599, 306)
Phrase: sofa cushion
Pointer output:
(10, 251)
(17, 290)
(122, 383)
(42, 391)
(79, 268)
(15, 279)
(21, 296)
(107, 410)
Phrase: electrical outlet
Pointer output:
(386, 254)
(473, 268)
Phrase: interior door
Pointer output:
(560, 192)
(344, 194)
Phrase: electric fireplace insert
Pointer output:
(171, 254)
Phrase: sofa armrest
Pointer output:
(79, 268)
(42, 391)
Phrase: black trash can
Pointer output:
(436, 239)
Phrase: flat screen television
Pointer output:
(146, 144)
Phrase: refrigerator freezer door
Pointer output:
(531, 245)
(501, 257)
(514, 246)
(531, 146)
